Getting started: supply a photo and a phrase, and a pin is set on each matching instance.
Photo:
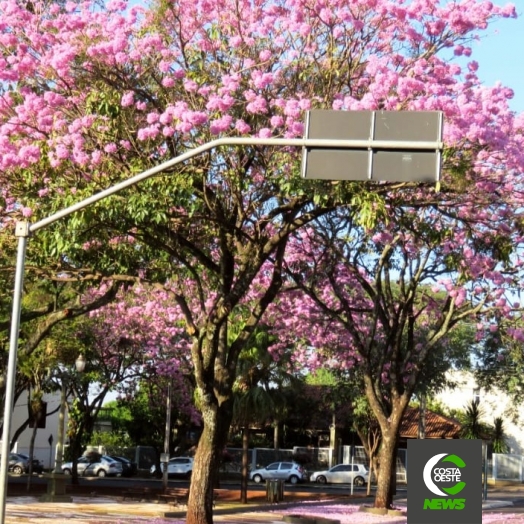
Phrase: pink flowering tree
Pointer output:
(383, 304)
(118, 355)
(93, 93)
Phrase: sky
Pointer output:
(500, 55)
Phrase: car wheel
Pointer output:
(188, 474)
(66, 471)
(293, 479)
(321, 479)
(257, 478)
(18, 470)
(101, 473)
(359, 481)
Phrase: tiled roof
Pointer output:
(437, 426)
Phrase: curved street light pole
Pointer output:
(24, 229)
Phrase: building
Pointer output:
(46, 437)
(437, 426)
(495, 403)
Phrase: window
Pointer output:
(476, 395)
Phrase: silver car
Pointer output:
(19, 463)
(287, 471)
(342, 474)
(104, 466)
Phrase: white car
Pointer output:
(342, 474)
(287, 471)
(177, 467)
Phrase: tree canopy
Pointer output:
(93, 92)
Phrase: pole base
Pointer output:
(56, 489)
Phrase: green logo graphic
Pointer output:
(433, 476)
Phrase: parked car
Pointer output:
(287, 471)
(342, 474)
(176, 467)
(128, 468)
(19, 463)
(104, 466)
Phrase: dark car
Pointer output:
(19, 463)
(128, 468)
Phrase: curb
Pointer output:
(497, 504)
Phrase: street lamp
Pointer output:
(57, 480)
(328, 133)
(80, 363)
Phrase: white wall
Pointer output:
(42, 450)
(495, 403)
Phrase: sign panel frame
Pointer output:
(393, 146)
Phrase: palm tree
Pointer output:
(259, 392)
(472, 425)
(498, 436)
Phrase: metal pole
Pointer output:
(167, 436)
(59, 453)
(275, 142)
(22, 232)
(352, 468)
(485, 487)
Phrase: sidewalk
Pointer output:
(112, 510)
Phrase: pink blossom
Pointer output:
(264, 55)
(220, 125)
(242, 127)
(190, 85)
(168, 81)
(265, 133)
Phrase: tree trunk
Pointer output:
(276, 434)
(76, 452)
(245, 464)
(422, 417)
(217, 420)
(387, 460)
(373, 472)
(31, 453)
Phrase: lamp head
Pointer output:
(80, 363)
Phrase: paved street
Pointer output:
(504, 506)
